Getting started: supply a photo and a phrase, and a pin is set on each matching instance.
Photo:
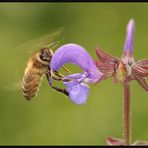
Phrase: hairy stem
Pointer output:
(127, 112)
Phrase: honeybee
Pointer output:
(38, 66)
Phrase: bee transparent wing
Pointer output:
(40, 42)
(13, 86)
(14, 82)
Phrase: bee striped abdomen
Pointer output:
(31, 85)
(32, 77)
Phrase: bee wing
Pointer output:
(14, 86)
(15, 81)
(40, 42)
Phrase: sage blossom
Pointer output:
(77, 83)
(127, 68)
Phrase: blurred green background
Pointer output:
(51, 118)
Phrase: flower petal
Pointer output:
(78, 93)
(74, 79)
(76, 54)
(128, 46)
(77, 76)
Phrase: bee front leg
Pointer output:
(57, 88)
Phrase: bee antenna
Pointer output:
(54, 44)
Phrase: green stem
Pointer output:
(127, 112)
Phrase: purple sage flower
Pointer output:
(124, 69)
(76, 84)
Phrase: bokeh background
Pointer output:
(51, 118)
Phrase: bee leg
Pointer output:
(57, 88)
(60, 77)
(61, 90)
(55, 73)
(58, 74)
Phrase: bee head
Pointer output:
(45, 54)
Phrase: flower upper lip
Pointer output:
(76, 54)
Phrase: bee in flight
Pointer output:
(38, 66)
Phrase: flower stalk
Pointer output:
(127, 114)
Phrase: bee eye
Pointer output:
(42, 57)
